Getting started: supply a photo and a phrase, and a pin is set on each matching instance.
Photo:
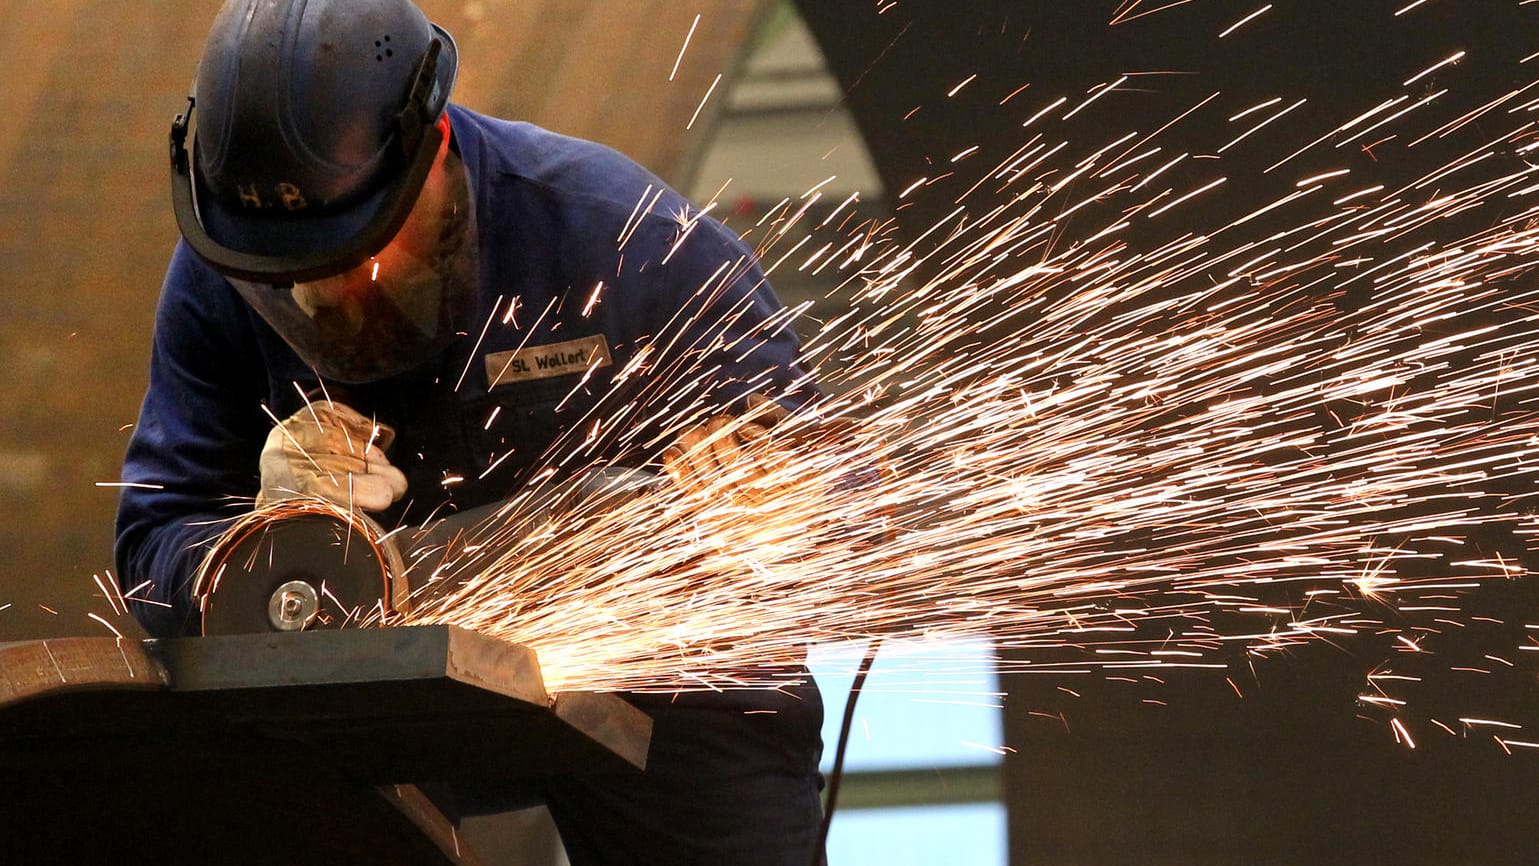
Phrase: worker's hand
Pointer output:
(727, 453)
(328, 450)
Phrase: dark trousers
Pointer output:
(731, 780)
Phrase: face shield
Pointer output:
(398, 308)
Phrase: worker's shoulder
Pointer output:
(192, 288)
(560, 165)
(201, 321)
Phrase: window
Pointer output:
(921, 778)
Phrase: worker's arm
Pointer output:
(735, 438)
(741, 347)
(727, 335)
(191, 463)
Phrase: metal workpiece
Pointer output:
(296, 747)
(405, 704)
(41, 669)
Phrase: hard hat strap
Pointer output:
(415, 117)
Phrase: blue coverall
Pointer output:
(723, 786)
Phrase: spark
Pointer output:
(110, 626)
(1002, 751)
(1262, 125)
(684, 47)
(1310, 181)
(703, 100)
(1121, 15)
(849, 200)
(110, 592)
(474, 353)
(643, 207)
(1057, 103)
(1188, 196)
(593, 299)
(1014, 93)
(1257, 107)
(1359, 194)
(812, 190)
(1453, 58)
(1095, 96)
(1489, 723)
(688, 226)
(961, 84)
(1243, 21)
(135, 590)
(1420, 103)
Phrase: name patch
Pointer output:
(544, 362)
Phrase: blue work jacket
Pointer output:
(579, 246)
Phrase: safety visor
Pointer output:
(278, 247)
(399, 306)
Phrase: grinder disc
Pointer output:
(298, 565)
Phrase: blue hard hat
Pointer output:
(314, 127)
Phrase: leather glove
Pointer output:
(721, 451)
(330, 451)
(830, 483)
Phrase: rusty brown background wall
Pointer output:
(85, 227)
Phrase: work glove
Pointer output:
(330, 451)
(728, 453)
(821, 482)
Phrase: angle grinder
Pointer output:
(308, 563)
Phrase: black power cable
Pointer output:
(820, 854)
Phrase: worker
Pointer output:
(407, 307)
